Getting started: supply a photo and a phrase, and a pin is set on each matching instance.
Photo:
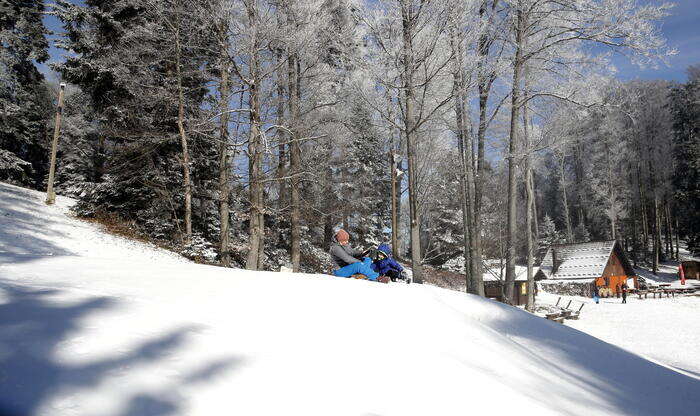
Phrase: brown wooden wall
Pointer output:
(493, 290)
(691, 269)
(614, 267)
(615, 273)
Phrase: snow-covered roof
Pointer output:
(578, 261)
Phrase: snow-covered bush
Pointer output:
(14, 169)
(199, 250)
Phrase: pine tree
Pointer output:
(139, 172)
(366, 193)
(549, 235)
(25, 104)
(685, 110)
(581, 234)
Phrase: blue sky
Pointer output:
(681, 29)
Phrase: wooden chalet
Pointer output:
(602, 263)
(691, 269)
(494, 286)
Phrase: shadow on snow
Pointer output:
(24, 232)
(608, 378)
(31, 327)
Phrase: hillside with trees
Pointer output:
(245, 132)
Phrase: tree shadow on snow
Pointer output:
(605, 377)
(25, 229)
(31, 328)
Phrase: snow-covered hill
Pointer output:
(91, 324)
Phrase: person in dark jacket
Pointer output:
(348, 259)
(596, 294)
(624, 293)
(386, 265)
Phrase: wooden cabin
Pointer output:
(691, 269)
(494, 286)
(603, 263)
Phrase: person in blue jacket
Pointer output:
(387, 266)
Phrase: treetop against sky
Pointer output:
(681, 29)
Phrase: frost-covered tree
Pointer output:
(549, 235)
(581, 234)
(548, 34)
(410, 53)
(144, 83)
(685, 110)
(25, 103)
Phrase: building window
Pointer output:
(523, 288)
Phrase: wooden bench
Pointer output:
(556, 317)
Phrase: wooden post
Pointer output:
(50, 194)
(394, 219)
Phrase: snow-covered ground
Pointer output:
(91, 324)
(666, 330)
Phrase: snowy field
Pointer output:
(665, 330)
(91, 324)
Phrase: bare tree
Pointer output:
(540, 30)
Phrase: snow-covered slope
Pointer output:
(102, 327)
(662, 329)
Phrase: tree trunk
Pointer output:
(530, 201)
(536, 226)
(181, 127)
(669, 231)
(565, 201)
(635, 247)
(224, 166)
(611, 196)
(294, 158)
(255, 172)
(657, 236)
(411, 142)
(464, 164)
(578, 169)
(394, 196)
(395, 184)
(678, 249)
(330, 203)
(512, 165)
(485, 82)
(475, 282)
(281, 154)
(642, 205)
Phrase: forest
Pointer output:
(243, 133)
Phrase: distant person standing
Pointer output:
(596, 294)
(624, 293)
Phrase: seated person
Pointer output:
(348, 259)
(386, 265)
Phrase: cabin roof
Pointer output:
(582, 260)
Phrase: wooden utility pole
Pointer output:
(50, 194)
(394, 217)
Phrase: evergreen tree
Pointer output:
(685, 109)
(367, 192)
(124, 59)
(549, 235)
(581, 234)
(25, 105)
